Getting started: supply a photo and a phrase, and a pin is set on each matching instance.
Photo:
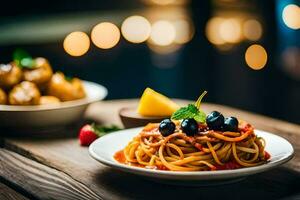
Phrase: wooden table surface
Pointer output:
(54, 166)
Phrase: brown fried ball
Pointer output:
(10, 75)
(3, 97)
(65, 90)
(49, 100)
(25, 93)
(40, 74)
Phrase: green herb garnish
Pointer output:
(191, 111)
(103, 130)
(23, 59)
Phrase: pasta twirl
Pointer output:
(207, 150)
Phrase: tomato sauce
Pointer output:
(228, 165)
(162, 167)
(120, 157)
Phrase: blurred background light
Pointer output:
(213, 31)
(252, 30)
(256, 57)
(105, 35)
(163, 33)
(76, 43)
(184, 31)
(291, 61)
(177, 41)
(230, 30)
(163, 50)
(291, 16)
(136, 29)
(166, 2)
(225, 47)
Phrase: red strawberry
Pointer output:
(87, 135)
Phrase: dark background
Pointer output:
(128, 68)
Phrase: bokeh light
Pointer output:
(256, 57)
(163, 33)
(225, 47)
(76, 43)
(184, 31)
(213, 31)
(230, 30)
(136, 29)
(105, 35)
(163, 50)
(166, 2)
(163, 2)
(291, 61)
(252, 30)
(291, 16)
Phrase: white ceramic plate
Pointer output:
(43, 116)
(104, 148)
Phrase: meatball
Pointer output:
(25, 93)
(10, 75)
(49, 100)
(40, 74)
(65, 90)
(3, 97)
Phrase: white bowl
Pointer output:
(104, 148)
(43, 116)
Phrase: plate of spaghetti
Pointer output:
(193, 147)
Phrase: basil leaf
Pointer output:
(103, 130)
(23, 59)
(28, 63)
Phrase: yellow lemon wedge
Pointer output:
(154, 104)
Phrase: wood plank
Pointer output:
(7, 193)
(42, 181)
(64, 154)
(48, 183)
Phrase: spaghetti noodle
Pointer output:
(207, 150)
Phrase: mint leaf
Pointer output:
(200, 117)
(191, 111)
(103, 130)
(185, 112)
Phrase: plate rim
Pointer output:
(218, 174)
(62, 105)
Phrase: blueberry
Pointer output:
(189, 126)
(215, 120)
(166, 127)
(231, 124)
